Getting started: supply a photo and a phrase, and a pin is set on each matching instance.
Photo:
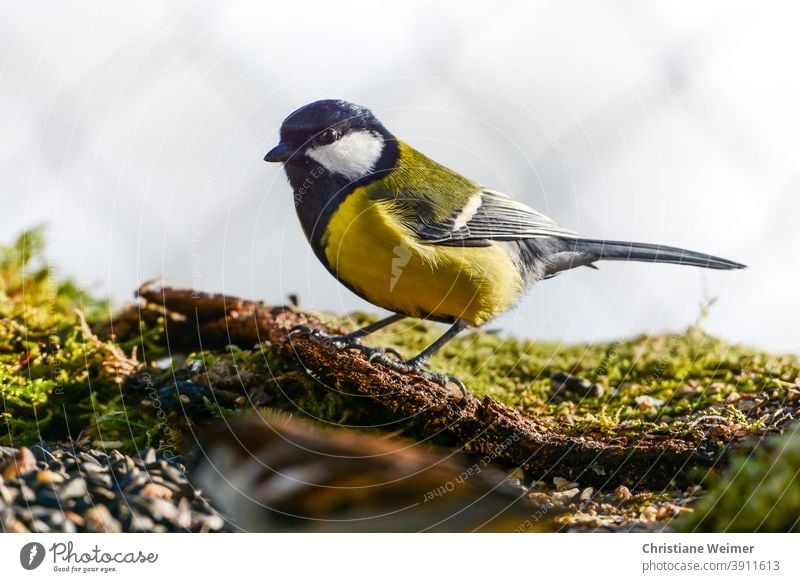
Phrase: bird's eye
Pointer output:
(330, 135)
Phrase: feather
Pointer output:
(490, 216)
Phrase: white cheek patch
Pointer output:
(353, 155)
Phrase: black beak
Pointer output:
(280, 153)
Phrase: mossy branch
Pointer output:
(420, 407)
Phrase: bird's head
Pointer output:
(344, 138)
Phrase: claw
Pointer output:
(461, 387)
(394, 352)
(443, 380)
(340, 341)
(411, 367)
(447, 378)
(296, 330)
(305, 330)
(352, 347)
(344, 342)
(397, 365)
(378, 354)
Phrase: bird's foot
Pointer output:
(414, 366)
(371, 353)
(305, 330)
(312, 332)
(383, 356)
(350, 341)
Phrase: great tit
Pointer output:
(420, 240)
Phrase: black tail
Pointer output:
(611, 250)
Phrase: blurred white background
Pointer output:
(136, 131)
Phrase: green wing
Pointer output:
(443, 207)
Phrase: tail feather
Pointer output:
(610, 250)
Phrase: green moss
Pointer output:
(260, 373)
(57, 380)
(758, 492)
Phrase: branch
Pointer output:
(482, 426)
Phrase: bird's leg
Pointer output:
(357, 335)
(352, 340)
(414, 365)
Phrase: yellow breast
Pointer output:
(382, 261)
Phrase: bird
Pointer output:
(273, 472)
(420, 240)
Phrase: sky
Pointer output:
(136, 132)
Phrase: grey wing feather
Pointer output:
(491, 216)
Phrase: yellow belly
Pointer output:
(383, 262)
